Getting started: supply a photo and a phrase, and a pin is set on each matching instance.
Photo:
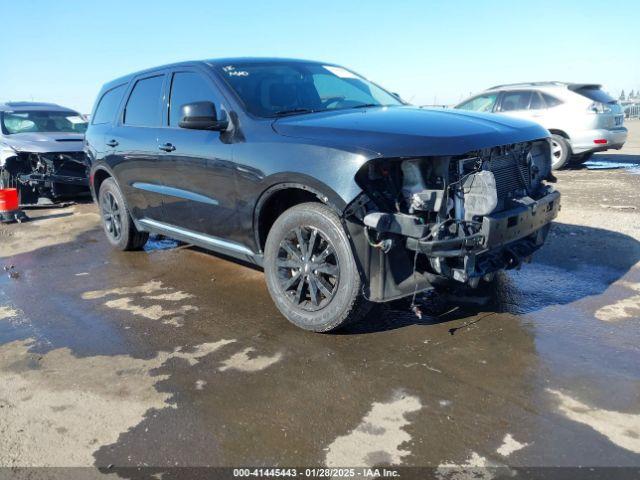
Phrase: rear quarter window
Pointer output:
(108, 105)
(550, 101)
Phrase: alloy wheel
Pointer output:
(307, 268)
(556, 151)
(111, 215)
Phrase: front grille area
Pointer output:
(63, 156)
(71, 164)
(65, 163)
(511, 173)
(518, 170)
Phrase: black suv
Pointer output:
(344, 194)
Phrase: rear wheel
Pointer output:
(310, 270)
(560, 151)
(116, 220)
(580, 159)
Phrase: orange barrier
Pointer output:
(10, 206)
(9, 200)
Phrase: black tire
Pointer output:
(116, 220)
(580, 159)
(333, 276)
(560, 152)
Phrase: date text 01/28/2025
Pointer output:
(315, 472)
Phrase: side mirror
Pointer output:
(201, 116)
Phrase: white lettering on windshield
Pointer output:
(232, 72)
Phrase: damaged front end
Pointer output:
(426, 221)
(53, 176)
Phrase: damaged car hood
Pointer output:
(410, 131)
(44, 142)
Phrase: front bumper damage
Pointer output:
(51, 176)
(459, 236)
(505, 239)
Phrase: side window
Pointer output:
(144, 107)
(188, 87)
(513, 101)
(107, 106)
(537, 103)
(481, 103)
(551, 101)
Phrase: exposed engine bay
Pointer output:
(51, 176)
(452, 219)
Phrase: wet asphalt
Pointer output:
(177, 357)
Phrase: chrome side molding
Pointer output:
(174, 192)
(199, 238)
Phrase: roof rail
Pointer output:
(31, 104)
(529, 84)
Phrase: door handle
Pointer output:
(167, 147)
(112, 143)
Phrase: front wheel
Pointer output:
(116, 220)
(310, 270)
(560, 152)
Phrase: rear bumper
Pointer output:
(584, 141)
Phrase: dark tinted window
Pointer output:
(106, 110)
(550, 101)
(512, 101)
(188, 87)
(481, 103)
(536, 101)
(144, 106)
(594, 93)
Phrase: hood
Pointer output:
(410, 131)
(44, 142)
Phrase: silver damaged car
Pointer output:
(41, 151)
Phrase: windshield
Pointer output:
(283, 88)
(43, 121)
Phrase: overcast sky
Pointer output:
(428, 51)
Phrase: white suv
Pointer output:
(581, 118)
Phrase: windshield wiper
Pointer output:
(367, 105)
(293, 111)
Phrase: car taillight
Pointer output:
(600, 141)
(599, 107)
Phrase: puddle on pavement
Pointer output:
(158, 242)
(631, 167)
(257, 396)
